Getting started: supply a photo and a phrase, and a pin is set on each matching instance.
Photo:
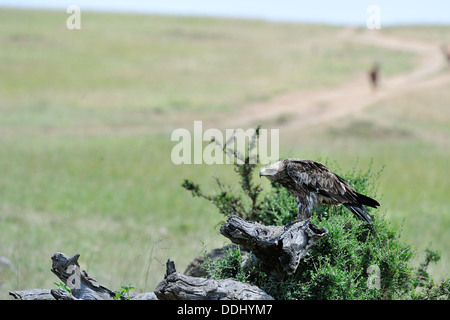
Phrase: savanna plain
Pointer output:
(86, 118)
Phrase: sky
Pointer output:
(342, 12)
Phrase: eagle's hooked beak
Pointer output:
(270, 170)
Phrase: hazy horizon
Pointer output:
(345, 12)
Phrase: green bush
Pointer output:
(354, 261)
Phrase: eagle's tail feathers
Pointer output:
(360, 211)
(367, 201)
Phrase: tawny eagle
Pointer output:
(310, 182)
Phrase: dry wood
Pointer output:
(279, 248)
(177, 286)
(143, 296)
(33, 294)
(82, 285)
(59, 294)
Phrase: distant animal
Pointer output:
(446, 52)
(374, 75)
(311, 183)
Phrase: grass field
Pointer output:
(86, 117)
(410, 136)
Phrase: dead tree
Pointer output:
(33, 294)
(177, 286)
(278, 248)
(81, 284)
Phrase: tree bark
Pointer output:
(174, 286)
(82, 285)
(177, 286)
(279, 248)
(33, 294)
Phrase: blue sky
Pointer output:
(346, 12)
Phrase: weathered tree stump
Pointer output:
(177, 286)
(278, 248)
(32, 294)
(82, 285)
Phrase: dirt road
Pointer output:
(309, 108)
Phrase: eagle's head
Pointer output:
(273, 171)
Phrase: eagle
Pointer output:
(311, 182)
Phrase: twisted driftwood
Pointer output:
(33, 294)
(79, 282)
(177, 286)
(279, 248)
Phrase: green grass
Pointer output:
(112, 199)
(77, 175)
(168, 64)
(438, 34)
(409, 135)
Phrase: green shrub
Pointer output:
(229, 266)
(354, 261)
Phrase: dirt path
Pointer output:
(302, 109)
(305, 109)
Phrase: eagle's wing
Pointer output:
(315, 177)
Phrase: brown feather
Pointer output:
(311, 182)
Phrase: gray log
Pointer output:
(82, 285)
(279, 248)
(59, 294)
(177, 286)
(143, 296)
(33, 294)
